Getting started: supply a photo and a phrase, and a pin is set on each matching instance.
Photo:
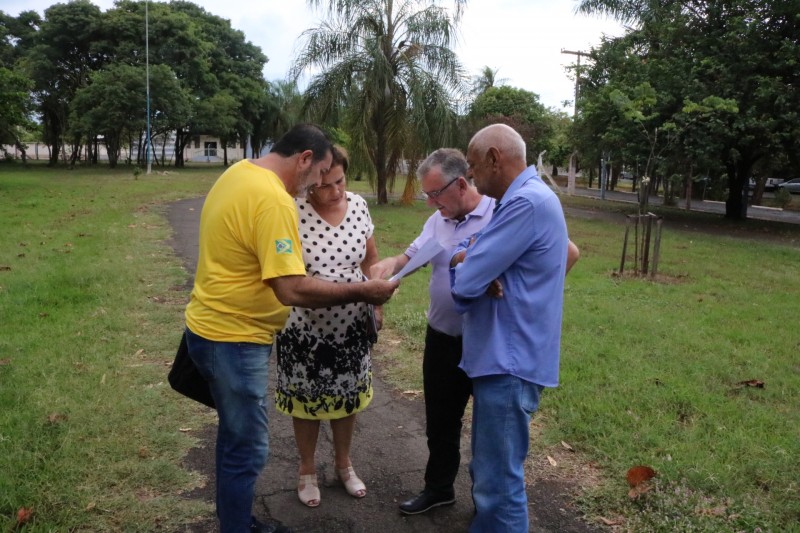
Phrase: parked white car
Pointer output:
(769, 185)
(792, 185)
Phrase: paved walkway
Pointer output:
(389, 454)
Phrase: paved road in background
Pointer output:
(707, 206)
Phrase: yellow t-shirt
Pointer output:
(248, 234)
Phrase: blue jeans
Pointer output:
(237, 375)
(502, 409)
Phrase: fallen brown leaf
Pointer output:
(720, 510)
(638, 490)
(755, 383)
(55, 418)
(567, 446)
(608, 522)
(552, 461)
(5, 361)
(639, 474)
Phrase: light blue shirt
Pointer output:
(525, 246)
(448, 232)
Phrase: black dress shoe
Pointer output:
(427, 500)
(271, 526)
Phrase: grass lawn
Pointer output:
(91, 303)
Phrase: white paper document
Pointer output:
(427, 252)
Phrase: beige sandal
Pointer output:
(309, 493)
(354, 486)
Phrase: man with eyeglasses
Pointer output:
(461, 212)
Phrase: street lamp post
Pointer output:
(147, 75)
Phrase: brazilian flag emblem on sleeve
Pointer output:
(283, 246)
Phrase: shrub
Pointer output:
(783, 198)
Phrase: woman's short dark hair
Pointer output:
(340, 157)
(304, 137)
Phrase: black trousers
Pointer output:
(447, 390)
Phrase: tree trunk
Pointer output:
(410, 189)
(21, 148)
(381, 170)
(738, 176)
(54, 153)
(179, 145)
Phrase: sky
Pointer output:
(520, 39)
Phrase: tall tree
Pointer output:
(60, 61)
(112, 105)
(707, 58)
(387, 73)
(14, 108)
(282, 106)
(205, 53)
(484, 81)
(519, 109)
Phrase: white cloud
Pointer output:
(522, 39)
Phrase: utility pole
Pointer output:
(573, 159)
(147, 75)
(577, 74)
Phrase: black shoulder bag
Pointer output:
(186, 379)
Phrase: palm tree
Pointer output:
(486, 80)
(625, 11)
(386, 76)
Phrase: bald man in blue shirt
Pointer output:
(508, 282)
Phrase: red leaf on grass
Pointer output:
(637, 478)
(639, 474)
(24, 515)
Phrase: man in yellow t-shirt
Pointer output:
(250, 271)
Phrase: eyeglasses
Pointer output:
(435, 194)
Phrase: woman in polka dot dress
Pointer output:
(323, 355)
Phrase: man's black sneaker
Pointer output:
(270, 526)
(427, 500)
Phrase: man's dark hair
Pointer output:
(304, 137)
